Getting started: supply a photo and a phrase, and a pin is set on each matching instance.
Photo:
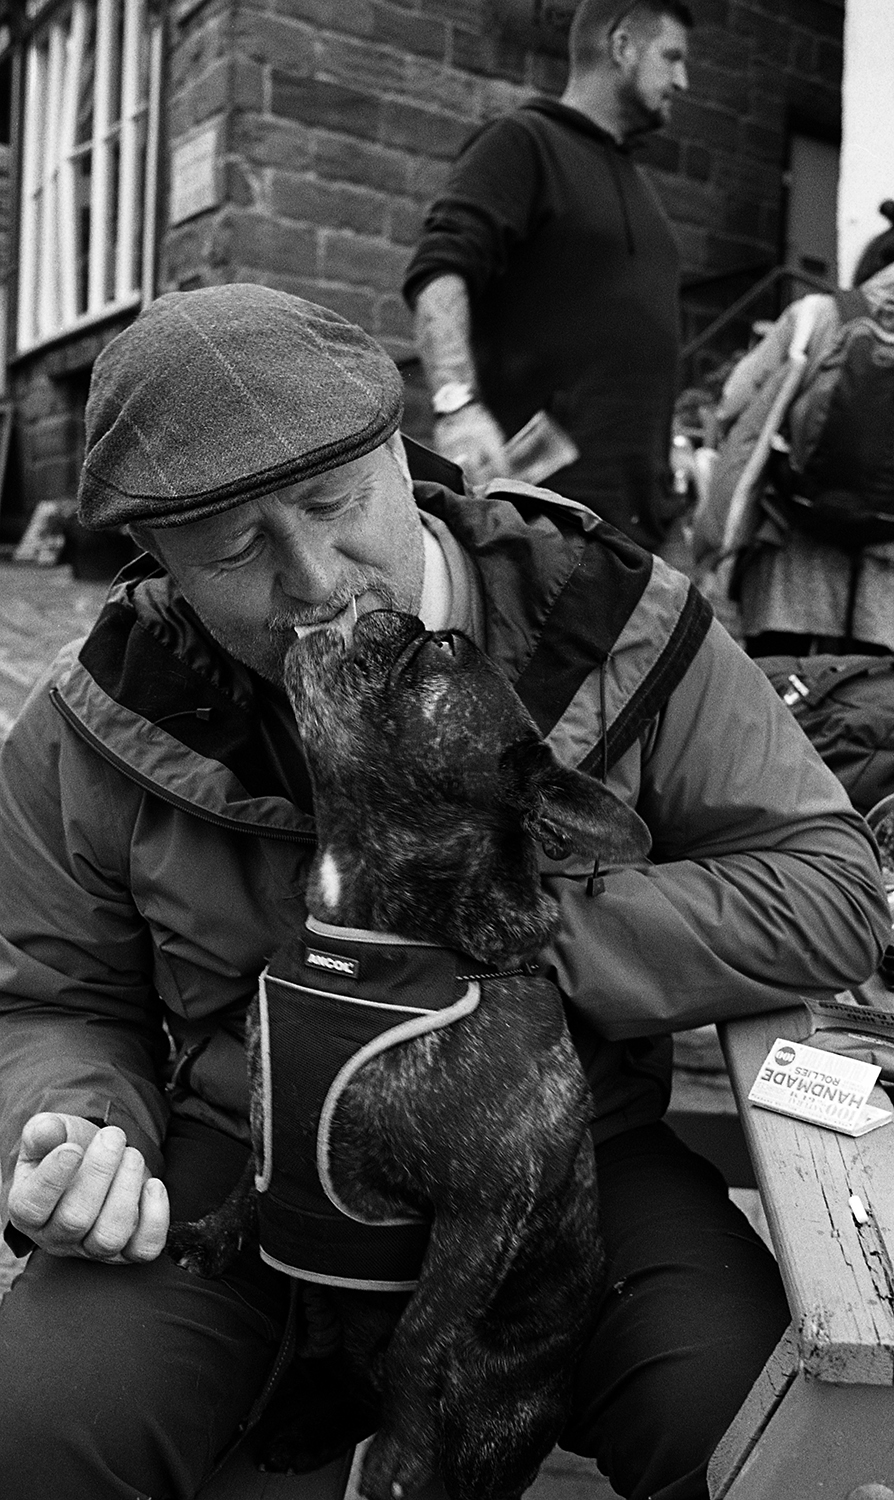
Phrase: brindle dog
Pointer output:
(432, 788)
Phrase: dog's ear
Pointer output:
(565, 810)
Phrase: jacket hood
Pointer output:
(156, 696)
(575, 120)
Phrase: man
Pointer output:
(547, 276)
(155, 830)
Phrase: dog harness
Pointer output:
(358, 994)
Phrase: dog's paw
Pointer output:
(297, 1446)
(194, 1249)
(395, 1471)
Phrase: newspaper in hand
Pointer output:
(821, 1087)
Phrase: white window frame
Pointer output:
(47, 284)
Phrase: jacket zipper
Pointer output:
(181, 803)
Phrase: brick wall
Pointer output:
(50, 393)
(336, 123)
(338, 127)
(761, 68)
(339, 121)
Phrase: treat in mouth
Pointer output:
(344, 622)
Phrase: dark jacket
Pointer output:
(573, 272)
(150, 861)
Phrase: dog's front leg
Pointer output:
(209, 1245)
(463, 1263)
(507, 1393)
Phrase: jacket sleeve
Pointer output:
(746, 400)
(764, 884)
(81, 1026)
(485, 209)
(754, 369)
(746, 403)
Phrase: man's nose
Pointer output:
(681, 78)
(307, 569)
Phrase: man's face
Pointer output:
(300, 556)
(653, 71)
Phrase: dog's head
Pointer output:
(432, 778)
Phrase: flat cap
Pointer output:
(220, 395)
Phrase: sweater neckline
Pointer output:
(576, 120)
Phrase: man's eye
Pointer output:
(245, 554)
(326, 509)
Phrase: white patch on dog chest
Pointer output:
(330, 880)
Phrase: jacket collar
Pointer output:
(152, 691)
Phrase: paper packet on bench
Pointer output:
(820, 1087)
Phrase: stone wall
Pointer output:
(49, 389)
(761, 68)
(340, 122)
(336, 122)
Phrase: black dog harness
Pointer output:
(318, 1029)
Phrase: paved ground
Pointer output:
(40, 609)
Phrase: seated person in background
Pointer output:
(805, 583)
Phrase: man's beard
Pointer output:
(265, 651)
(639, 119)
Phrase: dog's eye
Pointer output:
(444, 642)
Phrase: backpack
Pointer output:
(845, 705)
(844, 493)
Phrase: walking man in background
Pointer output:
(547, 276)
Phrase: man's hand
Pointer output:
(78, 1189)
(473, 439)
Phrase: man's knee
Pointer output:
(116, 1381)
(693, 1307)
(71, 1415)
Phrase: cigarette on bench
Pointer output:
(858, 1209)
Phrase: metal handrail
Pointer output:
(766, 283)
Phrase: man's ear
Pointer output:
(565, 810)
(621, 46)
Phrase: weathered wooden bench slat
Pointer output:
(811, 1439)
(820, 1419)
(838, 1273)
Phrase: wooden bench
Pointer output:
(820, 1420)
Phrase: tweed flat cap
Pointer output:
(220, 395)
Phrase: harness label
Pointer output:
(332, 963)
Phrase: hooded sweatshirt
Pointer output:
(573, 276)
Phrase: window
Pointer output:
(91, 90)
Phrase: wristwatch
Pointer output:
(451, 397)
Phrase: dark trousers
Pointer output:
(129, 1381)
